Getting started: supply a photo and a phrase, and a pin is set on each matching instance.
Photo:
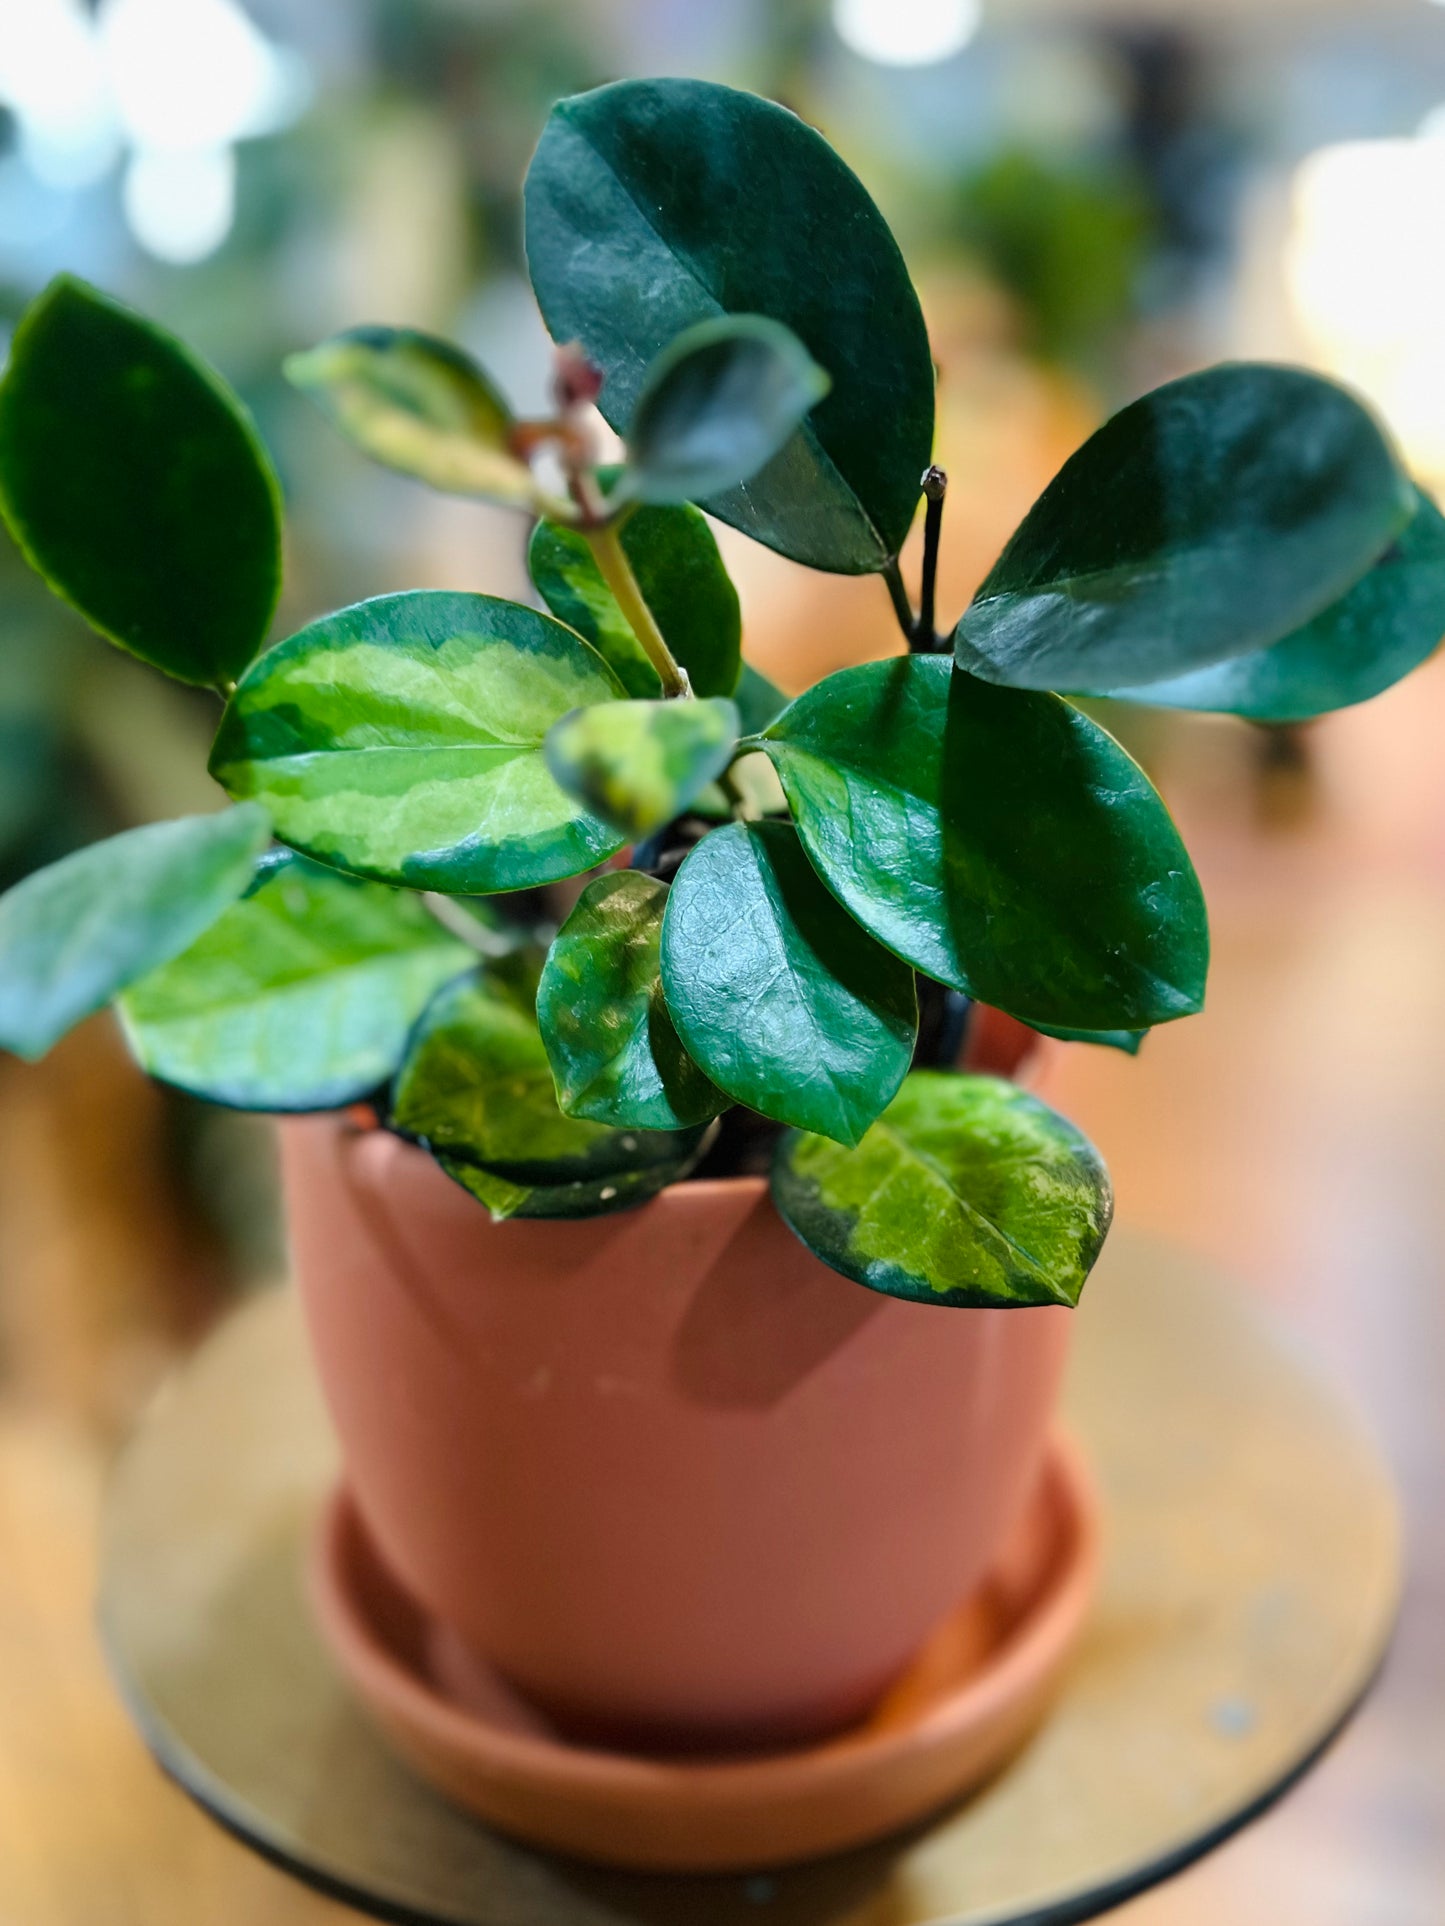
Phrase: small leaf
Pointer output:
(716, 405)
(74, 935)
(419, 405)
(299, 998)
(1204, 522)
(476, 1088)
(639, 764)
(1129, 1041)
(785, 1002)
(655, 204)
(999, 840)
(1386, 625)
(616, 1057)
(579, 1197)
(966, 1192)
(759, 700)
(674, 555)
(402, 739)
(135, 483)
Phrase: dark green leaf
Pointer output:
(655, 204)
(476, 1088)
(74, 935)
(299, 998)
(1129, 1041)
(419, 405)
(759, 700)
(135, 483)
(1386, 625)
(786, 1003)
(616, 1057)
(1205, 521)
(598, 1196)
(717, 404)
(639, 764)
(966, 1191)
(674, 555)
(999, 840)
(402, 739)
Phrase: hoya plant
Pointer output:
(788, 907)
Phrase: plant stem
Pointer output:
(611, 558)
(935, 487)
(742, 809)
(460, 923)
(902, 607)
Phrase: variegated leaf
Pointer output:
(299, 998)
(418, 405)
(966, 1191)
(615, 1054)
(476, 1088)
(74, 935)
(639, 764)
(402, 740)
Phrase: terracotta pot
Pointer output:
(665, 1470)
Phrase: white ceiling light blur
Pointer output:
(177, 81)
(54, 81)
(1369, 296)
(191, 74)
(180, 205)
(906, 33)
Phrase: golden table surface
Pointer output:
(1252, 1571)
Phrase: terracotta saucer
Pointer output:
(968, 1701)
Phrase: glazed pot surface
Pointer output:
(667, 1471)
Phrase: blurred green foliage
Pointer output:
(1066, 239)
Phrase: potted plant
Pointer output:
(579, 1213)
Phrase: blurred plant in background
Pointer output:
(1067, 240)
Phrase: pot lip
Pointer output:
(1031, 1074)
(701, 1188)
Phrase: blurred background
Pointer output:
(1094, 195)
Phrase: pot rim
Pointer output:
(1030, 1074)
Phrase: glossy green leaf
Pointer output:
(999, 840)
(1203, 522)
(759, 700)
(135, 483)
(1386, 625)
(639, 764)
(597, 1196)
(616, 1056)
(476, 1088)
(402, 739)
(1129, 1041)
(785, 1002)
(966, 1192)
(674, 555)
(716, 405)
(299, 998)
(419, 405)
(655, 204)
(74, 935)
